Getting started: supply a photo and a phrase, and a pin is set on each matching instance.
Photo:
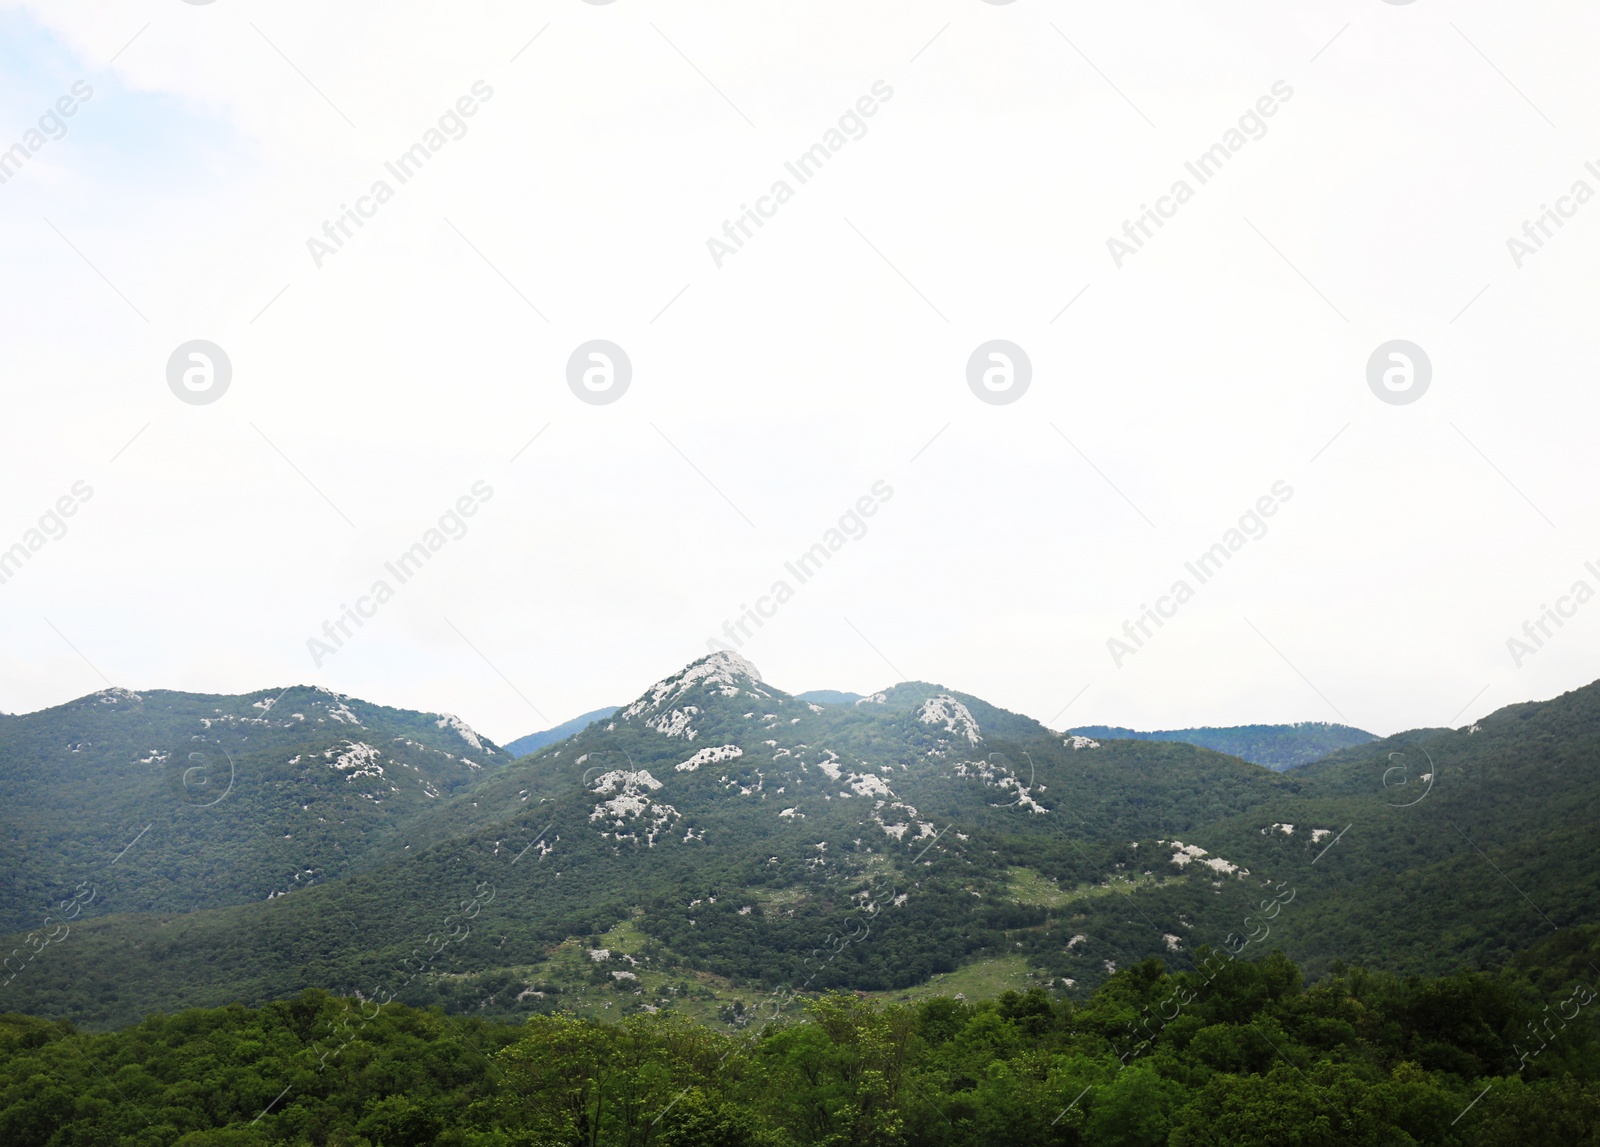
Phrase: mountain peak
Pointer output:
(667, 705)
(724, 669)
(724, 662)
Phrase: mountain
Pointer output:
(1470, 844)
(1277, 747)
(198, 801)
(720, 825)
(829, 697)
(718, 838)
(522, 746)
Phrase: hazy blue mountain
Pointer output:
(533, 742)
(829, 697)
(1277, 747)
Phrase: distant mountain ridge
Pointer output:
(829, 697)
(533, 742)
(1278, 747)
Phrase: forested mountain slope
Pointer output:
(1464, 846)
(718, 838)
(732, 825)
(192, 801)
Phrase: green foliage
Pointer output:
(1464, 846)
(1233, 1052)
(238, 798)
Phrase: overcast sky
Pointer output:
(1174, 382)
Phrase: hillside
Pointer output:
(229, 799)
(1467, 845)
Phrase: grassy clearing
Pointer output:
(1026, 886)
(982, 980)
(575, 981)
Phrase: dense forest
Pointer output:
(1231, 1052)
(231, 799)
